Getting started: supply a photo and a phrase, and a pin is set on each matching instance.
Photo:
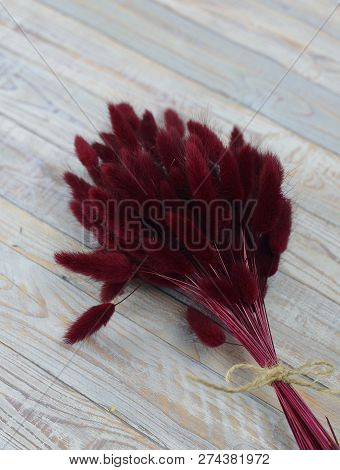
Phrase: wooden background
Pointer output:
(270, 66)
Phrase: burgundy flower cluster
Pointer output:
(176, 166)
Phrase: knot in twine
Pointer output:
(279, 373)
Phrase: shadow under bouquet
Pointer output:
(174, 206)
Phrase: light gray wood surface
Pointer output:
(222, 61)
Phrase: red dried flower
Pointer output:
(89, 322)
(100, 265)
(183, 217)
(208, 331)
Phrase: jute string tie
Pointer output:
(279, 373)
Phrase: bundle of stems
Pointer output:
(173, 205)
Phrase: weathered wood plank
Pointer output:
(144, 377)
(39, 412)
(310, 11)
(217, 63)
(274, 34)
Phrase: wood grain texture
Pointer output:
(216, 62)
(155, 57)
(275, 34)
(310, 11)
(38, 411)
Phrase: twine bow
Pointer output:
(279, 373)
